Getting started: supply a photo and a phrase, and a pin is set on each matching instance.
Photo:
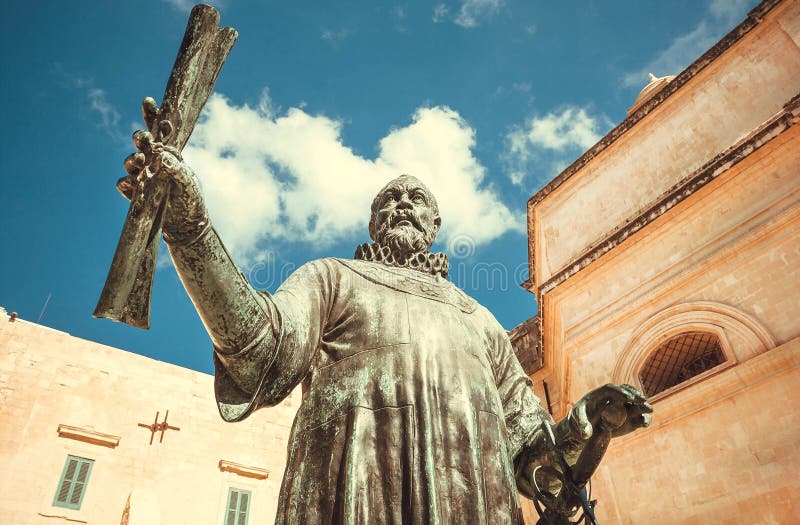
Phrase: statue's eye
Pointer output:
(389, 198)
(419, 198)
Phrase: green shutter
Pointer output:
(244, 505)
(238, 506)
(72, 485)
(233, 498)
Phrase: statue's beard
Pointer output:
(406, 239)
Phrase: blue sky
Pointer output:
(485, 100)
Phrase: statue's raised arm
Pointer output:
(234, 314)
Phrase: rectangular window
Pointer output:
(238, 507)
(72, 485)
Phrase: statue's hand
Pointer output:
(619, 408)
(581, 440)
(185, 213)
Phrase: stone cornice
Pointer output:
(522, 328)
(754, 17)
(88, 436)
(243, 470)
(720, 164)
(528, 355)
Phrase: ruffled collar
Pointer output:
(426, 262)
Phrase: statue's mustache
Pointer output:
(404, 215)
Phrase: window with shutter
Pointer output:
(238, 507)
(72, 485)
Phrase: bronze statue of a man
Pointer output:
(415, 408)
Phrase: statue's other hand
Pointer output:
(619, 408)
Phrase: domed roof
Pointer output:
(655, 85)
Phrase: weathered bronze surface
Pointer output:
(126, 293)
(415, 408)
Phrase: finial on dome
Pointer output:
(654, 86)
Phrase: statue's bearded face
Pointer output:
(405, 217)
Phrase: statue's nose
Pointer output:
(405, 202)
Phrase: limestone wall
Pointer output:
(726, 260)
(689, 221)
(735, 243)
(48, 378)
(739, 90)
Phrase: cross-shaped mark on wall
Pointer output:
(162, 427)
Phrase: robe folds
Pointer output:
(414, 404)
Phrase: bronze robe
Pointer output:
(414, 404)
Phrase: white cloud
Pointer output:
(400, 15)
(440, 12)
(470, 12)
(109, 116)
(289, 176)
(473, 10)
(573, 127)
(521, 87)
(335, 37)
(400, 11)
(721, 17)
(544, 143)
(730, 11)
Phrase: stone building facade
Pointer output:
(83, 439)
(668, 257)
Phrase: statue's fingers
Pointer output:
(149, 111)
(632, 423)
(639, 415)
(628, 392)
(616, 395)
(125, 187)
(134, 164)
(634, 393)
(143, 140)
(637, 409)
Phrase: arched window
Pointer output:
(678, 359)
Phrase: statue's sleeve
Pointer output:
(272, 365)
(521, 407)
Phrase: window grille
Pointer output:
(72, 485)
(679, 359)
(238, 507)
